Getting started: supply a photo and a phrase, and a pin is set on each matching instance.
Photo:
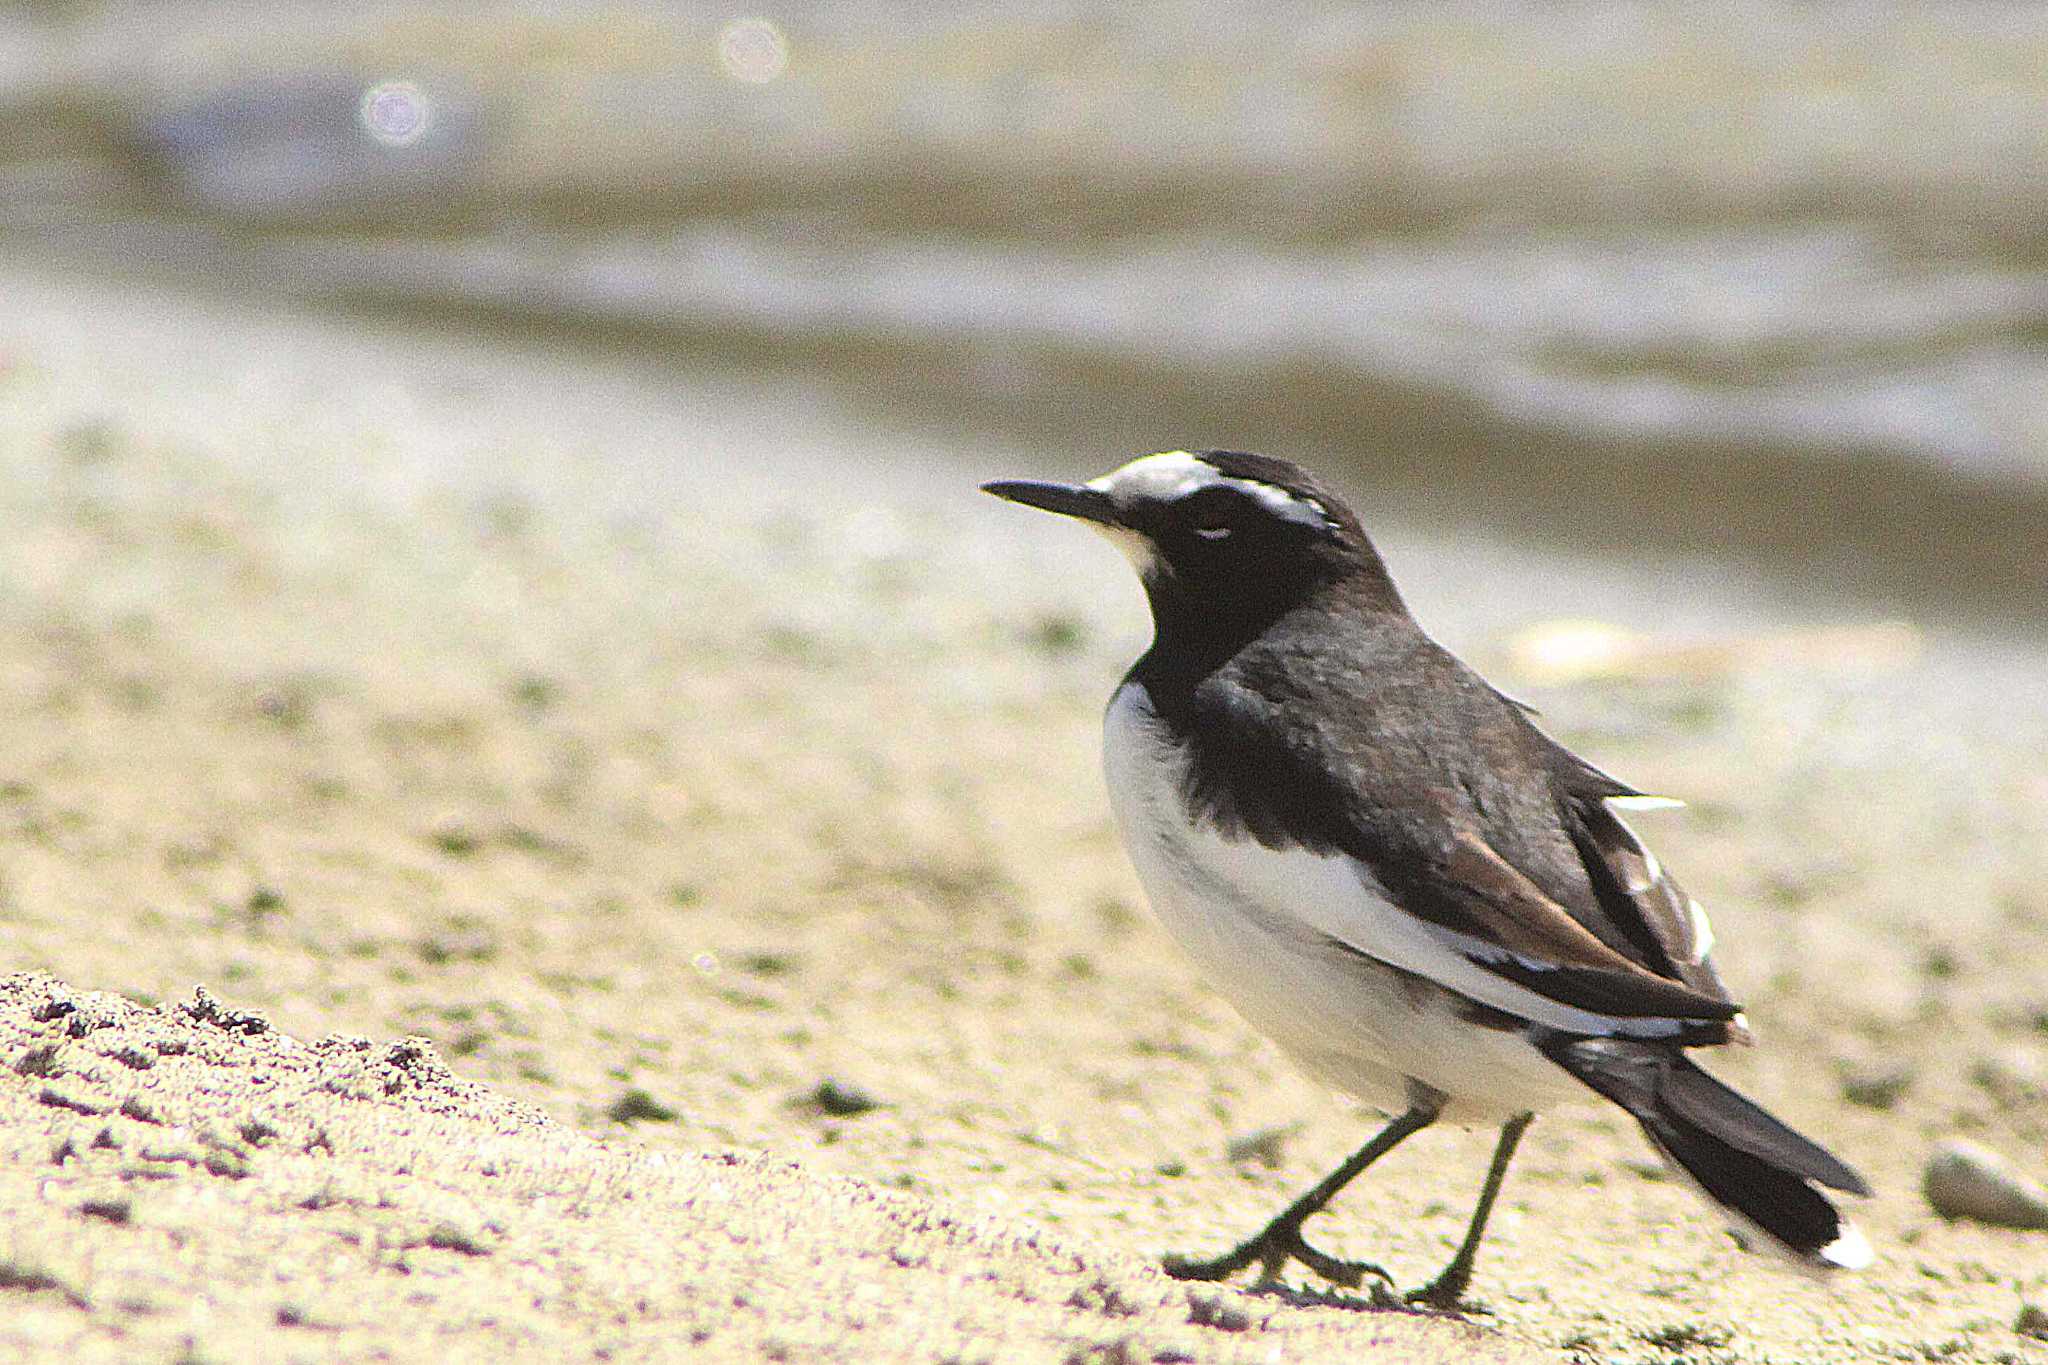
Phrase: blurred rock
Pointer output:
(1964, 1179)
(461, 940)
(842, 1099)
(2014, 1077)
(1267, 1146)
(1875, 1084)
(636, 1106)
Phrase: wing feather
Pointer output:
(1428, 824)
(1545, 948)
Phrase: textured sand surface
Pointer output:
(186, 1179)
(661, 745)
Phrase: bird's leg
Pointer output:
(1447, 1291)
(1281, 1241)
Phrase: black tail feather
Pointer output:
(1738, 1155)
(1778, 1202)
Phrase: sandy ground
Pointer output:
(659, 746)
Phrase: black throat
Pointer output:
(1198, 627)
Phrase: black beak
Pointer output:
(1069, 500)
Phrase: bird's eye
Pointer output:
(1211, 512)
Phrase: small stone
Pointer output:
(1205, 1310)
(461, 940)
(204, 1009)
(90, 441)
(1267, 1146)
(2014, 1077)
(452, 1237)
(415, 1059)
(535, 692)
(1875, 1084)
(288, 706)
(636, 1105)
(843, 1099)
(1964, 1179)
(455, 837)
(1105, 1298)
(109, 1210)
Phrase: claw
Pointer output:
(1272, 1250)
(1349, 1274)
(1447, 1295)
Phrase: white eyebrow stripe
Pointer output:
(1174, 474)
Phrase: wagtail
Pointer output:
(1388, 869)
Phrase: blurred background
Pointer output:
(1575, 272)
(490, 552)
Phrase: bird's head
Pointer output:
(1219, 533)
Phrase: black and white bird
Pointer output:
(1389, 870)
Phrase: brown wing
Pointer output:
(1542, 947)
(1642, 900)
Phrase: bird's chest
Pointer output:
(1229, 903)
(1303, 945)
(1146, 771)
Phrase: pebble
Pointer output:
(843, 1099)
(1964, 1179)
(1267, 1146)
(1875, 1084)
(2015, 1077)
(637, 1105)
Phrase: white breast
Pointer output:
(1260, 924)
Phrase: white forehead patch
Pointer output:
(1157, 478)
(1175, 474)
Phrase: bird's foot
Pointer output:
(1446, 1294)
(1271, 1250)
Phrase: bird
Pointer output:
(1384, 864)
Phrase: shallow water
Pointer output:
(1764, 283)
